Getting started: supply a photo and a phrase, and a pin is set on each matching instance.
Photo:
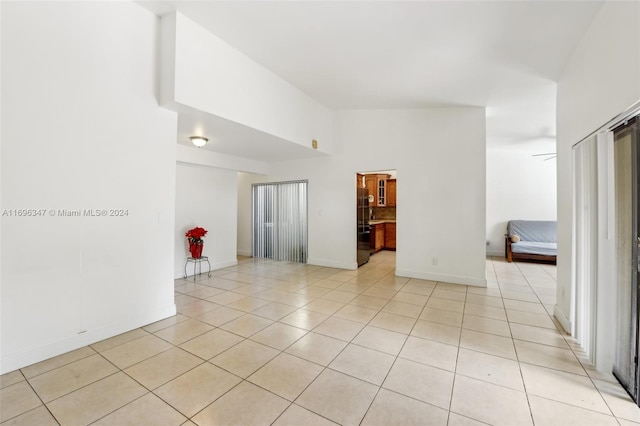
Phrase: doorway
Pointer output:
(280, 221)
(627, 185)
(376, 194)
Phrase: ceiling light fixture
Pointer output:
(199, 141)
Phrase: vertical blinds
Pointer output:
(280, 221)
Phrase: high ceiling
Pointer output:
(503, 55)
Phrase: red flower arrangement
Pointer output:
(195, 235)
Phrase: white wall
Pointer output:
(237, 88)
(439, 155)
(206, 197)
(82, 130)
(519, 186)
(601, 80)
(245, 180)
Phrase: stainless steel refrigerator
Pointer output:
(364, 230)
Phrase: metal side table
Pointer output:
(197, 266)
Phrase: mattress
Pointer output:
(533, 247)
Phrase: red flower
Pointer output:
(195, 234)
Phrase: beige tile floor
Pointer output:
(287, 344)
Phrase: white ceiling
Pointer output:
(502, 55)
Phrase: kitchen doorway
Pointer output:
(376, 195)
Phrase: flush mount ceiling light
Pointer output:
(199, 141)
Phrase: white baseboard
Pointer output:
(331, 264)
(453, 279)
(32, 355)
(495, 253)
(562, 319)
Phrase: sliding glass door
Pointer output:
(280, 221)
(626, 158)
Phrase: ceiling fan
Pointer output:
(548, 155)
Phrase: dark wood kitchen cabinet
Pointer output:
(391, 192)
(390, 236)
(377, 237)
(377, 186)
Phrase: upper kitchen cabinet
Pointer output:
(391, 192)
(377, 186)
(360, 181)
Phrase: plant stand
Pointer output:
(197, 266)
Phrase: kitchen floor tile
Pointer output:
(445, 304)
(297, 416)
(220, 316)
(324, 306)
(183, 331)
(548, 356)
(545, 336)
(563, 387)
(401, 308)
(93, 402)
(485, 311)
(279, 336)
(458, 420)
(17, 399)
(381, 340)
(307, 320)
(478, 299)
(390, 408)
(197, 388)
(38, 416)
(618, 400)
(58, 361)
(11, 378)
(338, 397)
(274, 311)
(147, 410)
(135, 351)
(317, 348)
(477, 400)
(547, 412)
(363, 363)
(437, 332)
(211, 343)
(393, 322)
(527, 318)
(431, 353)
(486, 325)
(245, 358)
(441, 316)
(286, 375)
(246, 325)
(419, 381)
(226, 298)
(448, 294)
(490, 368)
(369, 302)
(66, 379)
(163, 367)
(248, 304)
(119, 340)
(245, 405)
(412, 298)
(488, 343)
(356, 313)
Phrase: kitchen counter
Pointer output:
(375, 222)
